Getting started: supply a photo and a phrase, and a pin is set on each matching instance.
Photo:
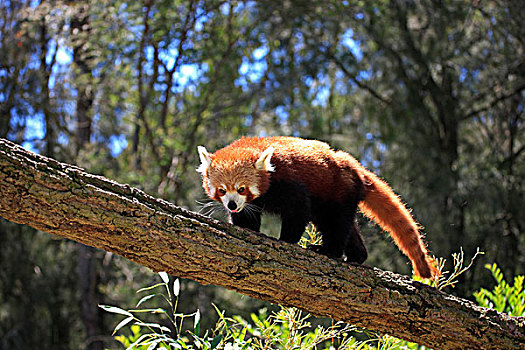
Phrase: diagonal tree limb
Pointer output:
(494, 101)
(64, 200)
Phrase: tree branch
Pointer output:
(495, 100)
(384, 99)
(64, 200)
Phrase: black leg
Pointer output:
(338, 226)
(355, 249)
(247, 219)
(294, 222)
(291, 201)
(333, 232)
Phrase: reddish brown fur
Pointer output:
(310, 162)
(327, 174)
(383, 206)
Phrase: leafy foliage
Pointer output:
(152, 334)
(503, 297)
(288, 328)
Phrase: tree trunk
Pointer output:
(88, 268)
(64, 200)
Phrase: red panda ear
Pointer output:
(205, 159)
(263, 163)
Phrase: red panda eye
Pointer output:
(241, 190)
(222, 191)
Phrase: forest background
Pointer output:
(428, 94)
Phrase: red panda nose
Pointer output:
(232, 205)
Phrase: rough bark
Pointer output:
(88, 268)
(64, 200)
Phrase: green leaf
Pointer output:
(243, 334)
(122, 324)
(164, 277)
(153, 311)
(135, 329)
(154, 344)
(247, 344)
(176, 287)
(115, 310)
(197, 323)
(182, 343)
(123, 340)
(138, 341)
(154, 325)
(216, 341)
(150, 287)
(146, 298)
(219, 312)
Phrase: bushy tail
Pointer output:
(383, 206)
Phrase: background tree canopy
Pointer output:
(428, 94)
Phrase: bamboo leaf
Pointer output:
(146, 298)
(150, 287)
(115, 310)
(165, 277)
(197, 323)
(176, 287)
(216, 341)
(122, 324)
(154, 325)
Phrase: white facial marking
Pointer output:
(235, 197)
(211, 188)
(255, 191)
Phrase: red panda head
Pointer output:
(235, 177)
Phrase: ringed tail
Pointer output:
(383, 206)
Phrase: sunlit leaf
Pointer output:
(197, 322)
(150, 287)
(165, 277)
(154, 325)
(122, 324)
(146, 298)
(176, 287)
(115, 310)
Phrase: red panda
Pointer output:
(305, 180)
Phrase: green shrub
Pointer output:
(287, 329)
(503, 297)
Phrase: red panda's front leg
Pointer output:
(250, 219)
(291, 201)
(293, 225)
